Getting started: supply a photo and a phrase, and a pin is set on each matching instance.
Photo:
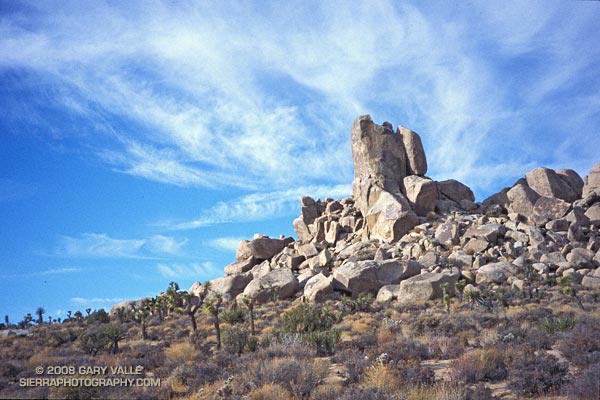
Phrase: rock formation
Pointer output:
(404, 237)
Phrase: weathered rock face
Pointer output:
(278, 284)
(230, 286)
(522, 199)
(546, 182)
(416, 162)
(390, 217)
(379, 161)
(422, 193)
(319, 288)
(592, 182)
(455, 190)
(261, 247)
(369, 243)
(426, 286)
(380, 166)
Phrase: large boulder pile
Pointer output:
(405, 237)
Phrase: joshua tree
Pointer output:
(114, 333)
(88, 312)
(211, 306)
(69, 313)
(459, 287)
(173, 297)
(157, 306)
(78, 316)
(446, 296)
(191, 305)
(567, 288)
(140, 314)
(6, 320)
(249, 303)
(40, 312)
(26, 320)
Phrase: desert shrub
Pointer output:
(324, 342)
(326, 392)
(234, 339)
(444, 347)
(307, 318)
(532, 374)
(586, 386)
(365, 341)
(442, 324)
(382, 376)
(553, 325)
(479, 392)
(75, 392)
(148, 356)
(403, 349)
(92, 342)
(184, 379)
(299, 378)
(362, 303)
(98, 316)
(581, 345)
(59, 337)
(369, 393)
(199, 339)
(354, 362)
(415, 374)
(284, 345)
(438, 391)
(480, 365)
(182, 352)
(270, 391)
(233, 316)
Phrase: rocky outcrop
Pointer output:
(426, 286)
(380, 166)
(422, 193)
(277, 284)
(592, 182)
(404, 237)
(546, 182)
(416, 162)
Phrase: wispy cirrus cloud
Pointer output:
(100, 245)
(86, 301)
(189, 271)
(46, 272)
(484, 85)
(260, 206)
(226, 243)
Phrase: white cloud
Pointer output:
(51, 271)
(196, 271)
(228, 96)
(226, 243)
(86, 301)
(261, 206)
(100, 245)
(163, 244)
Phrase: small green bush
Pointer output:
(307, 318)
(234, 339)
(558, 324)
(324, 341)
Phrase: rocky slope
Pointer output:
(404, 237)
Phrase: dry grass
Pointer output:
(182, 352)
(383, 377)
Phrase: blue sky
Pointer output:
(140, 142)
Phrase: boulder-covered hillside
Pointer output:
(403, 236)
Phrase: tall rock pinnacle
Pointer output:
(382, 159)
